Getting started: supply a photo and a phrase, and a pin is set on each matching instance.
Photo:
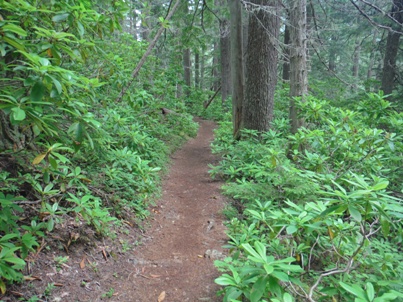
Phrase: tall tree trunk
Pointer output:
(392, 47)
(332, 54)
(187, 72)
(298, 71)
(286, 55)
(261, 65)
(356, 59)
(237, 67)
(202, 67)
(215, 67)
(371, 57)
(197, 70)
(225, 56)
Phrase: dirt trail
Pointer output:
(175, 256)
(186, 234)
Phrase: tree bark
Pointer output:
(225, 57)
(286, 55)
(197, 70)
(356, 59)
(215, 67)
(237, 68)
(202, 67)
(332, 54)
(298, 71)
(261, 65)
(371, 57)
(187, 71)
(392, 47)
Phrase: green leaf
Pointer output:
(291, 229)
(258, 289)
(225, 279)
(14, 42)
(385, 224)
(14, 260)
(370, 291)
(57, 84)
(253, 253)
(8, 237)
(281, 276)
(287, 297)
(380, 185)
(261, 249)
(268, 268)
(60, 17)
(386, 297)
(53, 162)
(18, 114)
(15, 29)
(355, 290)
(355, 213)
(37, 92)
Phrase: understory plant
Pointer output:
(68, 149)
(319, 211)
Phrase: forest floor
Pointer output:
(170, 260)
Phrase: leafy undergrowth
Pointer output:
(318, 213)
(70, 152)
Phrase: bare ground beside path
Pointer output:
(175, 254)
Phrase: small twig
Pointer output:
(279, 233)
(27, 202)
(310, 252)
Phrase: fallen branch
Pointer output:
(206, 104)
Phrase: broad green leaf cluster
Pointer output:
(68, 150)
(317, 215)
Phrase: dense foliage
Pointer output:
(317, 215)
(68, 150)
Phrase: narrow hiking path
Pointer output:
(175, 254)
(186, 232)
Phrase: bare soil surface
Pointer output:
(172, 260)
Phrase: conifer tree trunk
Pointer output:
(371, 57)
(197, 70)
(215, 73)
(202, 67)
(356, 59)
(298, 71)
(261, 65)
(286, 55)
(392, 47)
(225, 58)
(237, 68)
(187, 72)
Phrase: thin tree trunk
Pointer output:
(298, 71)
(202, 67)
(215, 67)
(371, 57)
(356, 59)
(147, 53)
(286, 55)
(197, 70)
(187, 71)
(225, 57)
